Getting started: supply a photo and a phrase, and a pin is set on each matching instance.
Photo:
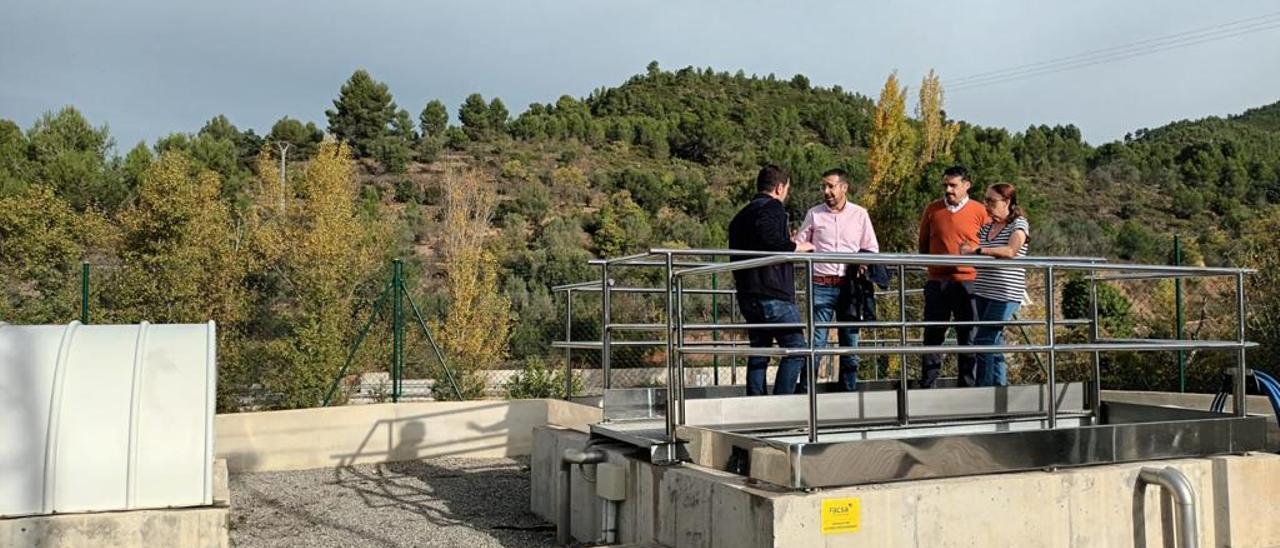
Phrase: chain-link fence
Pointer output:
(1168, 308)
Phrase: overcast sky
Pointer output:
(147, 68)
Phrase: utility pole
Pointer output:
(283, 147)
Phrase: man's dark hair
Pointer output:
(957, 171)
(771, 177)
(840, 175)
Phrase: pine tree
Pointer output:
(433, 120)
(475, 118)
(363, 112)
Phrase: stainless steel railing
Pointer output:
(678, 269)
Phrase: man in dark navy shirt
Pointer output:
(767, 294)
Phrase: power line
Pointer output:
(1261, 19)
(1118, 53)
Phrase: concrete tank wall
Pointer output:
(688, 506)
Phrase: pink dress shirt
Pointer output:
(848, 230)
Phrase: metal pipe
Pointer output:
(953, 260)
(671, 351)
(569, 458)
(679, 282)
(1177, 313)
(1095, 392)
(733, 360)
(1174, 482)
(864, 325)
(811, 368)
(903, 410)
(606, 329)
(1053, 355)
(715, 334)
(568, 351)
(563, 525)
(817, 256)
(1238, 403)
(609, 522)
(1154, 346)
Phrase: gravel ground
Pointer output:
(437, 502)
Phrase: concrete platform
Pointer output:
(1083, 507)
(198, 527)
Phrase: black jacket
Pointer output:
(762, 226)
(857, 301)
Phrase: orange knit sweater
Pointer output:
(942, 231)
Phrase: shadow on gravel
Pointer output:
(489, 496)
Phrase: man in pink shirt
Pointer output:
(836, 226)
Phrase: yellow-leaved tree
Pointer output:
(891, 161)
(936, 133)
(42, 241)
(477, 323)
(315, 255)
(178, 253)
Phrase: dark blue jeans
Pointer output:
(766, 310)
(991, 367)
(825, 304)
(947, 301)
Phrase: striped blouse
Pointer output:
(1002, 284)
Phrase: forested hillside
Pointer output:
(491, 209)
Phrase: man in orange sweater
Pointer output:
(948, 295)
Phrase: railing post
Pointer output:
(397, 344)
(903, 413)
(1049, 310)
(1177, 306)
(811, 364)
(679, 347)
(1238, 403)
(715, 333)
(671, 350)
(606, 334)
(568, 337)
(84, 292)
(1095, 395)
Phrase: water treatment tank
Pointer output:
(105, 417)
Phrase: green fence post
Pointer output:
(351, 354)
(84, 292)
(397, 344)
(1177, 306)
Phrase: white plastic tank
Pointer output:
(106, 417)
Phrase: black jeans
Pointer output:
(948, 301)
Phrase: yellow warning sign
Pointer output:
(841, 516)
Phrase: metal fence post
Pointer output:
(84, 292)
(397, 350)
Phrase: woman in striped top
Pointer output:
(998, 291)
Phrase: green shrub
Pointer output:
(536, 380)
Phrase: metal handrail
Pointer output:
(1048, 264)
(677, 272)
